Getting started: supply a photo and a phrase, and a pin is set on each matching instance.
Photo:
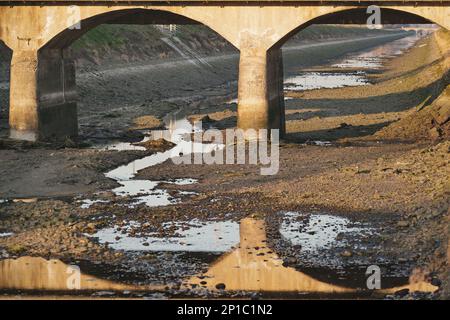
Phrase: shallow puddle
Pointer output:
(321, 143)
(6, 234)
(191, 236)
(319, 231)
(325, 80)
(357, 65)
(147, 191)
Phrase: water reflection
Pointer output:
(34, 273)
(325, 80)
(251, 267)
(356, 65)
(254, 267)
(374, 58)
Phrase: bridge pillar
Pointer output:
(42, 96)
(23, 110)
(260, 92)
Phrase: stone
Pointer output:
(434, 133)
(91, 226)
(346, 253)
(401, 293)
(220, 286)
(403, 224)
(436, 282)
(156, 145)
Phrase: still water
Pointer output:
(351, 70)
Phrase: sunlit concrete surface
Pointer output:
(254, 267)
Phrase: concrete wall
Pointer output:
(42, 79)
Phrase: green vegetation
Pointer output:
(133, 43)
(317, 31)
(114, 36)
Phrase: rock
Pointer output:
(15, 249)
(91, 226)
(220, 286)
(434, 133)
(402, 292)
(156, 145)
(87, 181)
(291, 260)
(436, 282)
(147, 122)
(403, 224)
(103, 293)
(346, 253)
(442, 115)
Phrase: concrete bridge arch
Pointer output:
(42, 84)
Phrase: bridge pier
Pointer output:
(42, 95)
(23, 110)
(260, 89)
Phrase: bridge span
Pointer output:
(39, 33)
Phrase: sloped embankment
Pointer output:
(118, 44)
(431, 119)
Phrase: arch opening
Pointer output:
(141, 43)
(357, 85)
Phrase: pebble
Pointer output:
(346, 253)
(401, 293)
(220, 286)
(402, 224)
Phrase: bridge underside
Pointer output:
(42, 86)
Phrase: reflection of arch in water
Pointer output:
(247, 269)
(33, 273)
(243, 269)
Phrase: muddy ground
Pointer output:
(400, 188)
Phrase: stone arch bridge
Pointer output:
(42, 84)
